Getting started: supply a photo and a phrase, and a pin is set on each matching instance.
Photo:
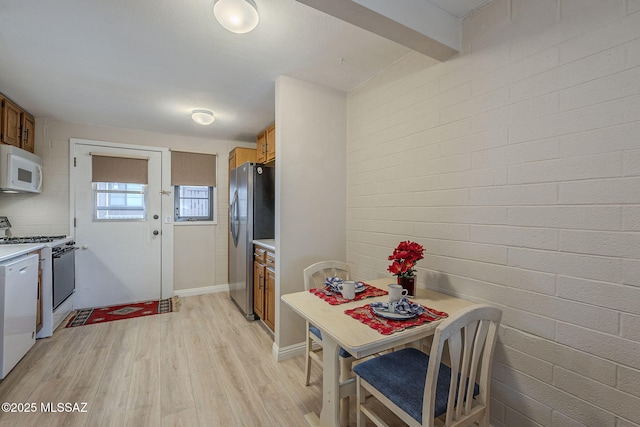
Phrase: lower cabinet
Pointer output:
(264, 285)
(258, 288)
(270, 298)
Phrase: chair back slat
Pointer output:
(464, 389)
(487, 361)
(456, 351)
(315, 274)
(470, 339)
(428, 404)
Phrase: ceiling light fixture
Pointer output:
(237, 16)
(202, 117)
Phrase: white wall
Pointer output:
(310, 190)
(200, 251)
(517, 165)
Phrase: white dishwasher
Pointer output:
(18, 294)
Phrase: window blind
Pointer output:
(113, 168)
(193, 168)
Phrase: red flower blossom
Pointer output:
(404, 258)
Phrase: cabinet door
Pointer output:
(261, 147)
(271, 142)
(240, 155)
(10, 123)
(28, 132)
(270, 299)
(232, 160)
(258, 289)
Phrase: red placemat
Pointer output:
(388, 326)
(335, 299)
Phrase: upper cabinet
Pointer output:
(240, 155)
(10, 123)
(271, 142)
(17, 127)
(266, 144)
(28, 126)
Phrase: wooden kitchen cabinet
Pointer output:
(270, 299)
(240, 155)
(261, 147)
(271, 142)
(28, 128)
(266, 144)
(264, 285)
(10, 123)
(258, 285)
(17, 127)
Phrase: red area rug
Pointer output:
(91, 316)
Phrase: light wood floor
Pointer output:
(201, 366)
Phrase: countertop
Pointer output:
(12, 251)
(266, 243)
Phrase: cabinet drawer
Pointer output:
(259, 254)
(270, 260)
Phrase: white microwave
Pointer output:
(20, 170)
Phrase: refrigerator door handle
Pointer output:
(234, 220)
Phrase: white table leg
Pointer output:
(330, 414)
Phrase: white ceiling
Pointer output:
(459, 8)
(145, 64)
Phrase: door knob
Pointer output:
(156, 232)
(156, 217)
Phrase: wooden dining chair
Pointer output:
(314, 277)
(419, 388)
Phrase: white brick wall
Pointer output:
(517, 165)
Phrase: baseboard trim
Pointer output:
(288, 352)
(201, 290)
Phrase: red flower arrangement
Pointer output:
(404, 258)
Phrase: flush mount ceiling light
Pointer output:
(237, 16)
(202, 117)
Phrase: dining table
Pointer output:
(341, 329)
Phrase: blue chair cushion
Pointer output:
(401, 376)
(315, 331)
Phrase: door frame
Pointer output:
(166, 260)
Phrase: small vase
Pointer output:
(408, 283)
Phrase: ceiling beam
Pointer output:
(416, 24)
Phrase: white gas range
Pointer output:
(57, 260)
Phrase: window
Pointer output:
(193, 176)
(116, 201)
(119, 187)
(194, 203)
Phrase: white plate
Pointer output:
(392, 315)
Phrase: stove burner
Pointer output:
(31, 239)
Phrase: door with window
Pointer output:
(118, 220)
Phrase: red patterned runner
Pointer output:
(335, 299)
(388, 326)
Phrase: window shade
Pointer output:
(109, 168)
(193, 169)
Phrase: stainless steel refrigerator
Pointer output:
(251, 216)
